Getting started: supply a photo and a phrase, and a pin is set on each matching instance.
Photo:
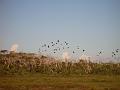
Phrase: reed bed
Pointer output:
(22, 63)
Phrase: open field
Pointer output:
(59, 44)
(59, 82)
(23, 71)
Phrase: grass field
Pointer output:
(21, 71)
(59, 82)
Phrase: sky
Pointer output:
(92, 24)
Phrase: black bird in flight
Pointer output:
(66, 43)
(39, 50)
(44, 45)
(113, 52)
(73, 52)
(83, 50)
(48, 46)
(58, 41)
(112, 55)
(53, 44)
(117, 50)
(100, 52)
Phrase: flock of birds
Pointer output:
(58, 46)
(114, 53)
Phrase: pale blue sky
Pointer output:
(92, 24)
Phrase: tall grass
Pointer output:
(21, 63)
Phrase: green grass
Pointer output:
(59, 82)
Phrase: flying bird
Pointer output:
(39, 50)
(53, 45)
(73, 52)
(113, 52)
(112, 55)
(83, 50)
(44, 45)
(100, 52)
(52, 42)
(58, 41)
(48, 46)
(117, 50)
(59, 49)
(66, 43)
(55, 49)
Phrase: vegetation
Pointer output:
(59, 82)
(26, 71)
(22, 63)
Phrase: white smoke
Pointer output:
(86, 57)
(14, 47)
(65, 56)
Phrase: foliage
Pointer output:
(21, 63)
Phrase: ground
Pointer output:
(59, 82)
